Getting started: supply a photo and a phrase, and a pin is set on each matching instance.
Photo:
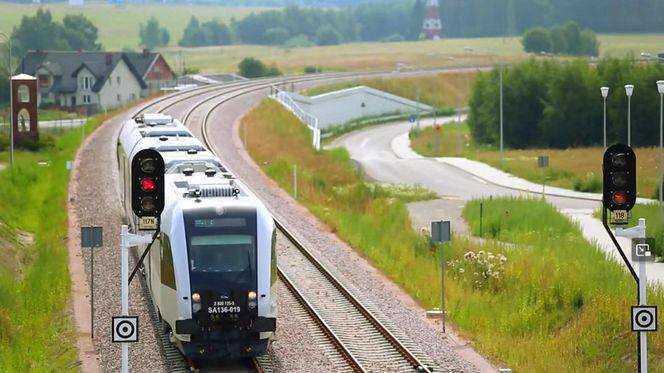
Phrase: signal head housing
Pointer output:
(147, 183)
(619, 168)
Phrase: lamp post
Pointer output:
(605, 92)
(501, 115)
(11, 106)
(628, 90)
(660, 88)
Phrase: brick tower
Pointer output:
(432, 26)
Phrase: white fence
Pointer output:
(311, 121)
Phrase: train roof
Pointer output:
(197, 190)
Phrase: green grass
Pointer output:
(119, 25)
(36, 332)
(562, 303)
(556, 304)
(445, 90)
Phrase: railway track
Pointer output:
(353, 337)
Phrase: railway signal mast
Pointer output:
(147, 196)
(619, 197)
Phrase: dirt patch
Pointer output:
(424, 212)
(16, 250)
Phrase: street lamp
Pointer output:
(501, 115)
(660, 88)
(605, 92)
(11, 108)
(628, 90)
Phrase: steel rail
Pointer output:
(318, 319)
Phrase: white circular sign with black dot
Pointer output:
(644, 318)
(125, 329)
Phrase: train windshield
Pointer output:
(222, 249)
(222, 253)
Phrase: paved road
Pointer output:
(372, 149)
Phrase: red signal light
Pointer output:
(619, 198)
(148, 185)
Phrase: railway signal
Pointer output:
(619, 178)
(147, 184)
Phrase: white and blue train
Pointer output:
(212, 270)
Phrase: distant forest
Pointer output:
(467, 18)
(402, 19)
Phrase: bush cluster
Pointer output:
(561, 39)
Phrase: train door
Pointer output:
(168, 302)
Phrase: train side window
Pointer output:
(167, 270)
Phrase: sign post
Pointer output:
(440, 232)
(92, 237)
(125, 328)
(542, 163)
(619, 197)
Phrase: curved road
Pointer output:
(372, 149)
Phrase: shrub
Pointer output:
(311, 69)
(536, 40)
(328, 35)
(253, 68)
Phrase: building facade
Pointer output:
(91, 81)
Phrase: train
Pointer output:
(211, 272)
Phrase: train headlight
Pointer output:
(196, 297)
(196, 307)
(251, 295)
(252, 304)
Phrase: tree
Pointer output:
(38, 32)
(327, 35)
(80, 32)
(152, 35)
(217, 33)
(208, 33)
(193, 35)
(536, 40)
(253, 68)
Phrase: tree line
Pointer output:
(472, 18)
(559, 105)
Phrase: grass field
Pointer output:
(547, 308)
(448, 90)
(119, 25)
(364, 56)
(36, 332)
